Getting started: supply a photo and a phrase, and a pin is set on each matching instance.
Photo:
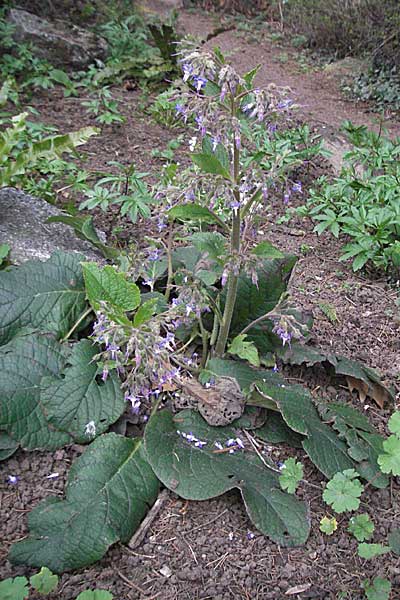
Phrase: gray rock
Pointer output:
(62, 46)
(23, 226)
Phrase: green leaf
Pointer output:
(394, 423)
(14, 589)
(361, 527)
(193, 212)
(343, 491)
(327, 525)
(394, 541)
(389, 461)
(269, 389)
(275, 431)
(369, 551)
(95, 595)
(75, 398)
(44, 295)
(108, 285)
(44, 582)
(211, 243)
(267, 250)
(220, 151)
(254, 301)
(209, 163)
(201, 473)
(245, 350)
(23, 363)
(4, 252)
(291, 475)
(109, 490)
(7, 446)
(84, 228)
(145, 312)
(379, 589)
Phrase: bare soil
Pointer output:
(205, 545)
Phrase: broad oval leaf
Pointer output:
(203, 472)
(75, 398)
(7, 446)
(23, 363)
(44, 295)
(109, 490)
(108, 285)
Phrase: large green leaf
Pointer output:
(322, 444)
(254, 301)
(23, 363)
(109, 490)
(75, 398)
(209, 163)
(44, 295)
(7, 446)
(203, 472)
(210, 242)
(85, 229)
(106, 284)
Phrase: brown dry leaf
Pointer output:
(375, 391)
(220, 404)
(298, 589)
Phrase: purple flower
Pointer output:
(200, 123)
(250, 535)
(235, 204)
(239, 443)
(230, 442)
(13, 479)
(161, 224)
(154, 254)
(149, 282)
(297, 187)
(215, 141)
(189, 195)
(218, 445)
(199, 82)
(180, 109)
(237, 140)
(264, 190)
(187, 71)
(247, 107)
(224, 278)
(104, 374)
(286, 197)
(200, 444)
(285, 104)
(112, 349)
(285, 336)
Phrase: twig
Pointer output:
(209, 522)
(78, 322)
(131, 584)
(139, 535)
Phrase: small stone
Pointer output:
(166, 571)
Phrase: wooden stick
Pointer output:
(140, 533)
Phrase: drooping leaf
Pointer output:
(46, 295)
(44, 582)
(369, 551)
(109, 490)
(108, 285)
(192, 212)
(343, 491)
(199, 473)
(23, 363)
(275, 431)
(291, 475)
(145, 312)
(7, 445)
(254, 301)
(327, 525)
(378, 589)
(210, 242)
(14, 589)
(219, 151)
(209, 163)
(74, 398)
(361, 527)
(84, 228)
(359, 377)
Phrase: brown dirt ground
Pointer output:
(205, 544)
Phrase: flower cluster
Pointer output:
(231, 445)
(191, 438)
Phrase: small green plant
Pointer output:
(378, 589)
(19, 156)
(343, 491)
(291, 475)
(389, 460)
(328, 525)
(363, 202)
(361, 527)
(126, 188)
(104, 107)
(380, 86)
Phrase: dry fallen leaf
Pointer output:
(375, 391)
(298, 589)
